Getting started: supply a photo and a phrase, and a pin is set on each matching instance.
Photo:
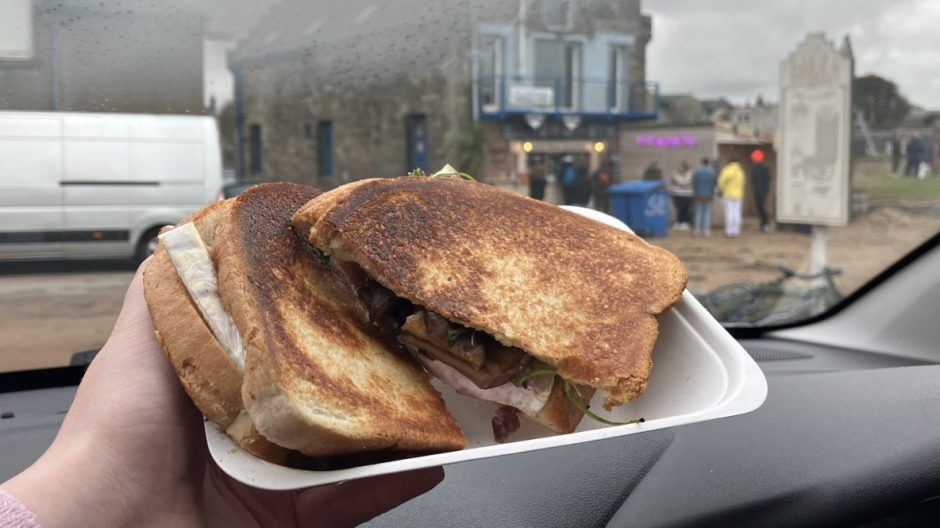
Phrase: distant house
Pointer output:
(757, 119)
(88, 55)
(328, 93)
(717, 108)
(683, 109)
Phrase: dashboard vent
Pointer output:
(771, 354)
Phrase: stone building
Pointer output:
(682, 109)
(759, 118)
(328, 93)
(87, 55)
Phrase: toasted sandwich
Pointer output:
(209, 371)
(305, 375)
(504, 298)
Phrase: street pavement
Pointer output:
(50, 310)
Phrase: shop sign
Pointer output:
(666, 140)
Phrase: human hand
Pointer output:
(132, 452)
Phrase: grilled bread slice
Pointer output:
(571, 292)
(208, 374)
(316, 380)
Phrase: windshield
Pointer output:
(786, 152)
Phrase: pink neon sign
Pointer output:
(666, 141)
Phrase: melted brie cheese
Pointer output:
(191, 259)
(528, 400)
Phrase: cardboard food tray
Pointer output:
(699, 373)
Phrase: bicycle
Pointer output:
(775, 302)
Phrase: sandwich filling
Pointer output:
(191, 259)
(472, 362)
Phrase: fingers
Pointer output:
(134, 312)
(357, 501)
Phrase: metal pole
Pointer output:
(521, 52)
(239, 124)
(817, 251)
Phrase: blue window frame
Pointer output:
(325, 142)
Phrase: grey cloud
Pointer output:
(734, 47)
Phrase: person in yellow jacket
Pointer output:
(731, 188)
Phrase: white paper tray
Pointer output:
(699, 373)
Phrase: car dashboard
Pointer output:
(848, 436)
(845, 437)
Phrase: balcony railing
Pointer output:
(504, 95)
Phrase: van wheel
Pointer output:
(147, 244)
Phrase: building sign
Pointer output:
(525, 96)
(815, 119)
(517, 129)
(16, 30)
(666, 141)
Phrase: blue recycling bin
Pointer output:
(643, 205)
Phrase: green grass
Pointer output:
(882, 187)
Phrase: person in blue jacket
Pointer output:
(703, 193)
(569, 176)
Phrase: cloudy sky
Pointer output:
(733, 48)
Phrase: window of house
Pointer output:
(490, 71)
(325, 149)
(254, 138)
(16, 30)
(619, 78)
(558, 64)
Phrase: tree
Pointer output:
(879, 101)
(471, 150)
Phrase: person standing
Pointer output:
(731, 187)
(915, 150)
(680, 185)
(537, 180)
(581, 192)
(895, 147)
(703, 192)
(760, 184)
(926, 162)
(568, 176)
(602, 179)
(653, 172)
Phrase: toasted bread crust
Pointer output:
(207, 374)
(315, 380)
(210, 379)
(570, 291)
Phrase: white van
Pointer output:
(82, 186)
